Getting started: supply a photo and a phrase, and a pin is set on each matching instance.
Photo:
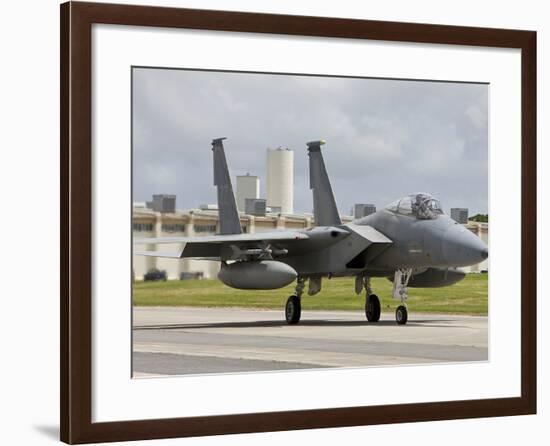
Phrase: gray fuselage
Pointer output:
(437, 243)
(415, 243)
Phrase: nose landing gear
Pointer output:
(400, 282)
(401, 315)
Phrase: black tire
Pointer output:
(401, 315)
(293, 310)
(372, 308)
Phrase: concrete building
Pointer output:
(163, 203)
(460, 215)
(255, 206)
(280, 179)
(208, 207)
(196, 222)
(248, 186)
(362, 210)
(482, 231)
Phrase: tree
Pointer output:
(482, 218)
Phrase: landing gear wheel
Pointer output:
(401, 315)
(293, 310)
(372, 308)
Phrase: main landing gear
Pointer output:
(372, 303)
(293, 308)
(400, 282)
(372, 308)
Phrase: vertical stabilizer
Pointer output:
(227, 206)
(324, 205)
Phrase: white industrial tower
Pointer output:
(248, 186)
(280, 179)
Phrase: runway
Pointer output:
(190, 340)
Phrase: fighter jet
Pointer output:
(411, 242)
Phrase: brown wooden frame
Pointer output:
(76, 221)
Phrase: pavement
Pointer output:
(190, 340)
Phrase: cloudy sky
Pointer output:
(385, 138)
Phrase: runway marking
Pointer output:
(161, 363)
(296, 356)
(433, 351)
(322, 339)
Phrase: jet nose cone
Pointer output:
(484, 253)
(462, 248)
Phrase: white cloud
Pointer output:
(477, 116)
(384, 138)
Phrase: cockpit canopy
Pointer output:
(422, 206)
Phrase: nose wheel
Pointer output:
(400, 282)
(401, 315)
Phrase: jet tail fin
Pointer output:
(227, 206)
(324, 205)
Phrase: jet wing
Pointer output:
(167, 255)
(369, 233)
(170, 255)
(235, 238)
(214, 247)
